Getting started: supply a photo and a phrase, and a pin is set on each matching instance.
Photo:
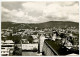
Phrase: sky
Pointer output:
(40, 11)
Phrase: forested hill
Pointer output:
(50, 24)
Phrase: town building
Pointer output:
(7, 47)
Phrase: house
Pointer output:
(4, 51)
(29, 46)
(7, 47)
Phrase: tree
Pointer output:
(16, 39)
(30, 39)
(17, 51)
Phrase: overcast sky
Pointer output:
(37, 12)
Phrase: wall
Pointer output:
(29, 46)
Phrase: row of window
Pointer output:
(6, 46)
(4, 51)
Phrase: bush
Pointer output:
(34, 49)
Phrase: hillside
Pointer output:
(62, 24)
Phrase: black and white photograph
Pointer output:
(40, 28)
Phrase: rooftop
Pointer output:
(59, 49)
(8, 41)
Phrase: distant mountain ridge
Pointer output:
(50, 24)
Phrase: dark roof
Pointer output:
(60, 50)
